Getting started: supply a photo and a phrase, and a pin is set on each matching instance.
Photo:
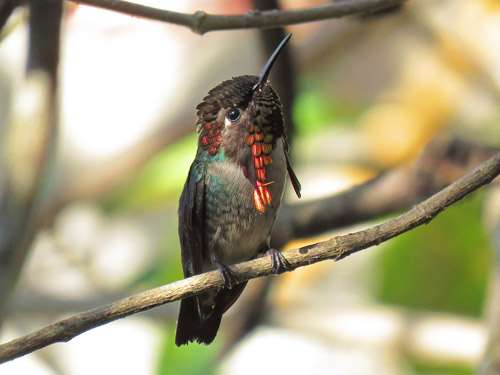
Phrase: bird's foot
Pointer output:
(229, 276)
(279, 264)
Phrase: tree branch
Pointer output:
(201, 22)
(335, 248)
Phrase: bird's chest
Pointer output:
(236, 228)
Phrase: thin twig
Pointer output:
(334, 248)
(201, 22)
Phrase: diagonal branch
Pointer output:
(201, 22)
(335, 248)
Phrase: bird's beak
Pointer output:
(267, 68)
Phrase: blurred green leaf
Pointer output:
(192, 359)
(436, 369)
(161, 180)
(313, 111)
(442, 266)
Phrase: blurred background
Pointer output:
(407, 98)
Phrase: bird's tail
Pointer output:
(195, 325)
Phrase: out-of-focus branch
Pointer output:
(28, 143)
(110, 175)
(442, 161)
(334, 248)
(201, 22)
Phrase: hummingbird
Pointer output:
(232, 194)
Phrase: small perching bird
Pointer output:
(232, 194)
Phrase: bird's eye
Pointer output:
(233, 114)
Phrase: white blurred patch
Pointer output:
(446, 339)
(87, 251)
(283, 352)
(127, 346)
(113, 80)
(119, 252)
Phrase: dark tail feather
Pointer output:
(208, 330)
(192, 327)
(188, 321)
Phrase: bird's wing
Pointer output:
(293, 177)
(198, 320)
(191, 216)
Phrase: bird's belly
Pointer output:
(236, 230)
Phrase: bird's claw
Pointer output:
(279, 264)
(228, 276)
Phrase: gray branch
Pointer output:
(201, 22)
